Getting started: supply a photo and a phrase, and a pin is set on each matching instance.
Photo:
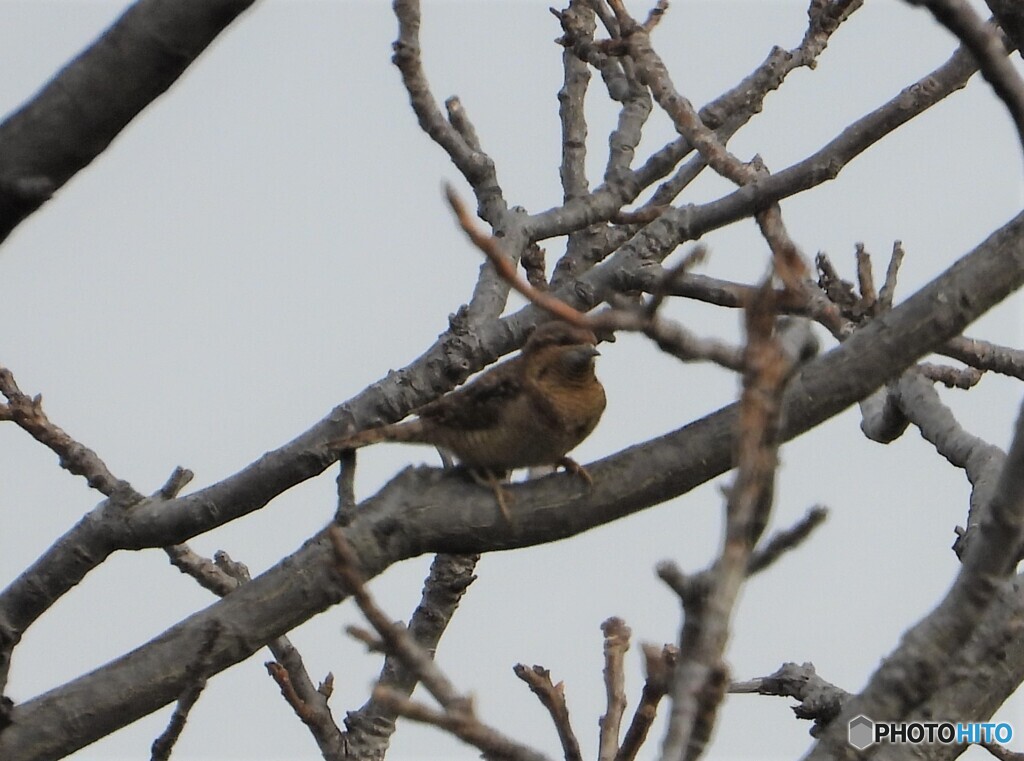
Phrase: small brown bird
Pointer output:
(527, 411)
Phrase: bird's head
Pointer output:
(564, 351)
(558, 333)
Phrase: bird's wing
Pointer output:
(479, 404)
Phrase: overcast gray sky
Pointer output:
(270, 237)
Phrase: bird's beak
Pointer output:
(593, 352)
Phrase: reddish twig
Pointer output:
(491, 248)
(670, 336)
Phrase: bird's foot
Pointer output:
(571, 466)
(486, 478)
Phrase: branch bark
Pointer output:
(82, 109)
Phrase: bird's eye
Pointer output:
(578, 360)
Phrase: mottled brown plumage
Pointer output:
(527, 411)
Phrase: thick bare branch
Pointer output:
(980, 461)
(951, 377)
(579, 17)
(83, 108)
(1010, 15)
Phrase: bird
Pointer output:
(527, 411)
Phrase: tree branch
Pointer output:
(920, 665)
(370, 728)
(82, 109)
(552, 697)
(405, 519)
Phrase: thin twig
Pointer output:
(888, 292)
(552, 697)
(180, 478)
(223, 575)
(458, 716)
(866, 280)
(346, 487)
(984, 355)
(371, 726)
(27, 413)
(461, 723)
(204, 571)
(951, 377)
(164, 744)
(457, 137)
(659, 664)
(616, 643)
(1002, 752)
(459, 119)
(491, 248)
(670, 336)
(784, 541)
(396, 639)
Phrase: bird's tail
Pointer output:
(411, 430)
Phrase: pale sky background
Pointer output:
(270, 237)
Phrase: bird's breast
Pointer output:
(532, 431)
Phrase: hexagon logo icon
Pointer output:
(861, 732)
